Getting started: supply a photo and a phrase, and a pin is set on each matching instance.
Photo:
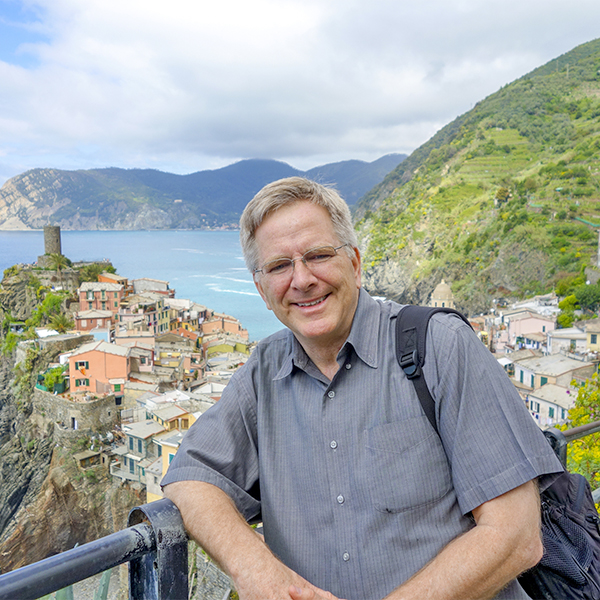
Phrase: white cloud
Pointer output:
(192, 84)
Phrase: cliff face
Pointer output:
(47, 504)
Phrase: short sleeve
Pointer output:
(492, 442)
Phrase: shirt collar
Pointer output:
(363, 338)
(365, 329)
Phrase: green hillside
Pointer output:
(503, 201)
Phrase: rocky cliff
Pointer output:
(47, 504)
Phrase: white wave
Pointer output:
(215, 288)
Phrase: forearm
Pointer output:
(478, 564)
(213, 521)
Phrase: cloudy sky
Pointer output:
(188, 85)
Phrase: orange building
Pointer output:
(100, 368)
(220, 323)
(100, 296)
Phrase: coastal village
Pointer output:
(136, 371)
(141, 366)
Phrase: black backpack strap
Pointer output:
(411, 338)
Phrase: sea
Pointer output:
(204, 266)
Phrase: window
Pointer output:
(533, 381)
(90, 305)
(159, 451)
(117, 387)
(83, 322)
(140, 446)
(171, 457)
(534, 406)
(521, 376)
(82, 364)
(551, 412)
(594, 338)
(543, 381)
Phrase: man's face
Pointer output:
(317, 305)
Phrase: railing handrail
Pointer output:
(154, 544)
(61, 570)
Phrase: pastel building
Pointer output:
(100, 368)
(100, 296)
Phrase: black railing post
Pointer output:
(558, 441)
(163, 573)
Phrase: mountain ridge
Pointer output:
(116, 198)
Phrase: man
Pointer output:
(322, 434)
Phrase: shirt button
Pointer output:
(331, 394)
(346, 557)
(348, 366)
(333, 444)
(340, 499)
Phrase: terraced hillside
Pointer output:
(503, 201)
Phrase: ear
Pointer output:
(356, 263)
(261, 291)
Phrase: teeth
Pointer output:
(311, 303)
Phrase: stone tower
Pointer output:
(52, 239)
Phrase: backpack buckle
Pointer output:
(409, 364)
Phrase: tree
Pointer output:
(58, 262)
(588, 296)
(61, 323)
(584, 454)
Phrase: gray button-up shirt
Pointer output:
(357, 491)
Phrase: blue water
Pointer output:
(204, 266)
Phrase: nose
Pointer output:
(302, 276)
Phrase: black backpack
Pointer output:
(570, 566)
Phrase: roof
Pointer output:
(527, 314)
(168, 412)
(556, 394)
(94, 314)
(174, 439)
(443, 291)
(143, 429)
(102, 346)
(570, 333)
(552, 365)
(85, 454)
(90, 286)
(534, 336)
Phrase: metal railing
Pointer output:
(155, 545)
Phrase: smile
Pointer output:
(313, 303)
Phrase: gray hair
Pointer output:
(288, 191)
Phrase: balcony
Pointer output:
(156, 547)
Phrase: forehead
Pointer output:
(294, 228)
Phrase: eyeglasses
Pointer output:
(312, 259)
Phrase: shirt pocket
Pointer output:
(407, 465)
